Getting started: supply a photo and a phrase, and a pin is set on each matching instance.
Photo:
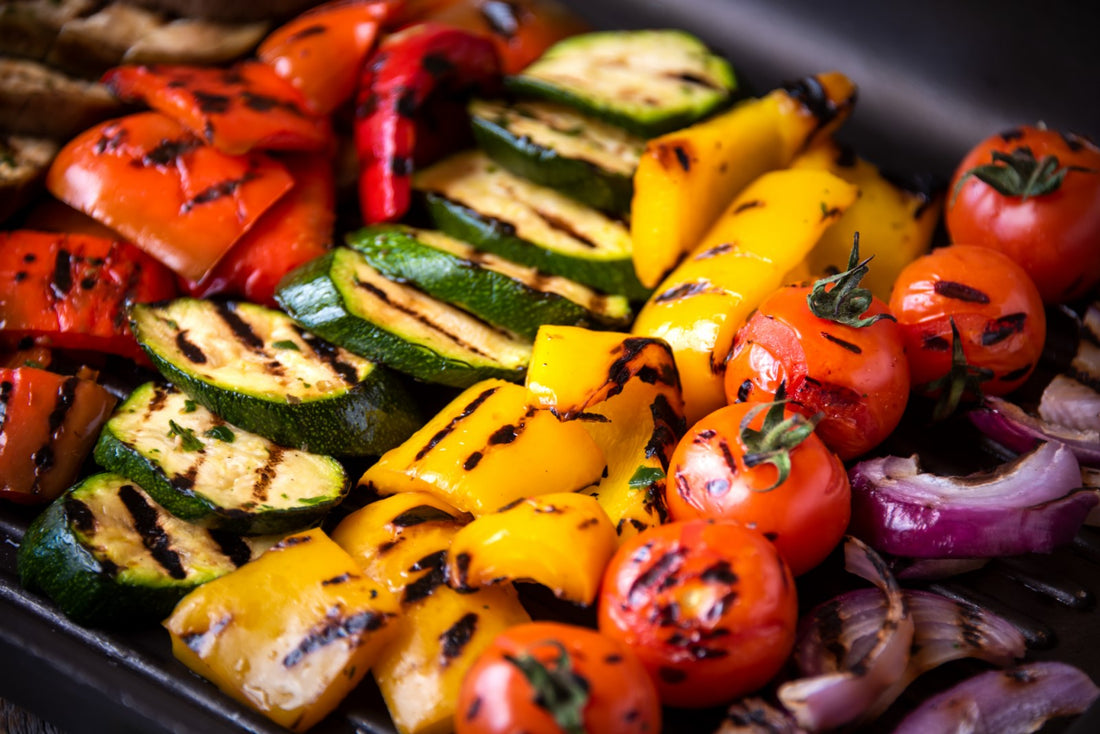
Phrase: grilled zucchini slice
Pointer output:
(512, 296)
(553, 145)
(201, 469)
(475, 200)
(343, 299)
(107, 554)
(260, 371)
(649, 82)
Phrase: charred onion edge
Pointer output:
(1017, 430)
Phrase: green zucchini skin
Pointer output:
(519, 300)
(225, 484)
(93, 584)
(365, 412)
(680, 81)
(322, 298)
(537, 160)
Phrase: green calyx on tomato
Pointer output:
(775, 440)
(961, 379)
(558, 689)
(1018, 174)
(845, 303)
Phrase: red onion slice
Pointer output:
(1071, 404)
(1027, 506)
(1013, 701)
(835, 698)
(1017, 430)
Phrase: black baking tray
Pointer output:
(934, 78)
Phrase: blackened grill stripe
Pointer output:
(189, 349)
(232, 546)
(420, 514)
(853, 348)
(79, 516)
(62, 273)
(6, 388)
(454, 640)
(147, 525)
(330, 355)
(334, 628)
(959, 292)
(442, 433)
(562, 224)
(240, 328)
(266, 473)
(160, 397)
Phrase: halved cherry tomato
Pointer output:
(1033, 194)
(149, 179)
(709, 606)
(48, 425)
(972, 321)
(549, 678)
(295, 230)
(842, 357)
(322, 50)
(236, 110)
(765, 468)
(71, 291)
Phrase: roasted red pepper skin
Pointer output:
(159, 186)
(48, 425)
(245, 107)
(71, 291)
(321, 51)
(293, 232)
(397, 82)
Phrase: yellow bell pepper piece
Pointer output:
(895, 224)
(487, 448)
(562, 541)
(289, 634)
(760, 238)
(686, 178)
(626, 392)
(401, 542)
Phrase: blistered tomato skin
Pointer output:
(1051, 228)
(995, 307)
(805, 516)
(709, 607)
(857, 377)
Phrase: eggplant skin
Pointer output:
(232, 11)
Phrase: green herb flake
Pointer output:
(221, 433)
(188, 441)
(190, 406)
(285, 344)
(646, 476)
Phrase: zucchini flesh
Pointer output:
(107, 554)
(553, 145)
(201, 469)
(512, 296)
(342, 298)
(648, 81)
(260, 371)
(475, 200)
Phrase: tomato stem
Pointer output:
(775, 440)
(960, 379)
(558, 688)
(845, 303)
(1017, 174)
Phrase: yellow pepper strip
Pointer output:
(763, 235)
(626, 392)
(895, 224)
(289, 634)
(686, 178)
(487, 448)
(562, 541)
(401, 542)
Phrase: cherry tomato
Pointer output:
(992, 305)
(1033, 194)
(549, 677)
(855, 375)
(714, 474)
(709, 606)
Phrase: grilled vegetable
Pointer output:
(401, 542)
(155, 183)
(107, 554)
(24, 161)
(556, 146)
(647, 81)
(474, 200)
(289, 634)
(48, 425)
(685, 179)
(258, 370)
(343, 299)
(38, 100)
(201, 469)
(511, 296)
(486, 448)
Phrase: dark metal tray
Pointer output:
(934, 78)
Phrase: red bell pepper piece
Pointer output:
(48, 425)
(235, 110)
(294, 231)
(406, 68)
(70, 291)
(322, 50)
(149, 179)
